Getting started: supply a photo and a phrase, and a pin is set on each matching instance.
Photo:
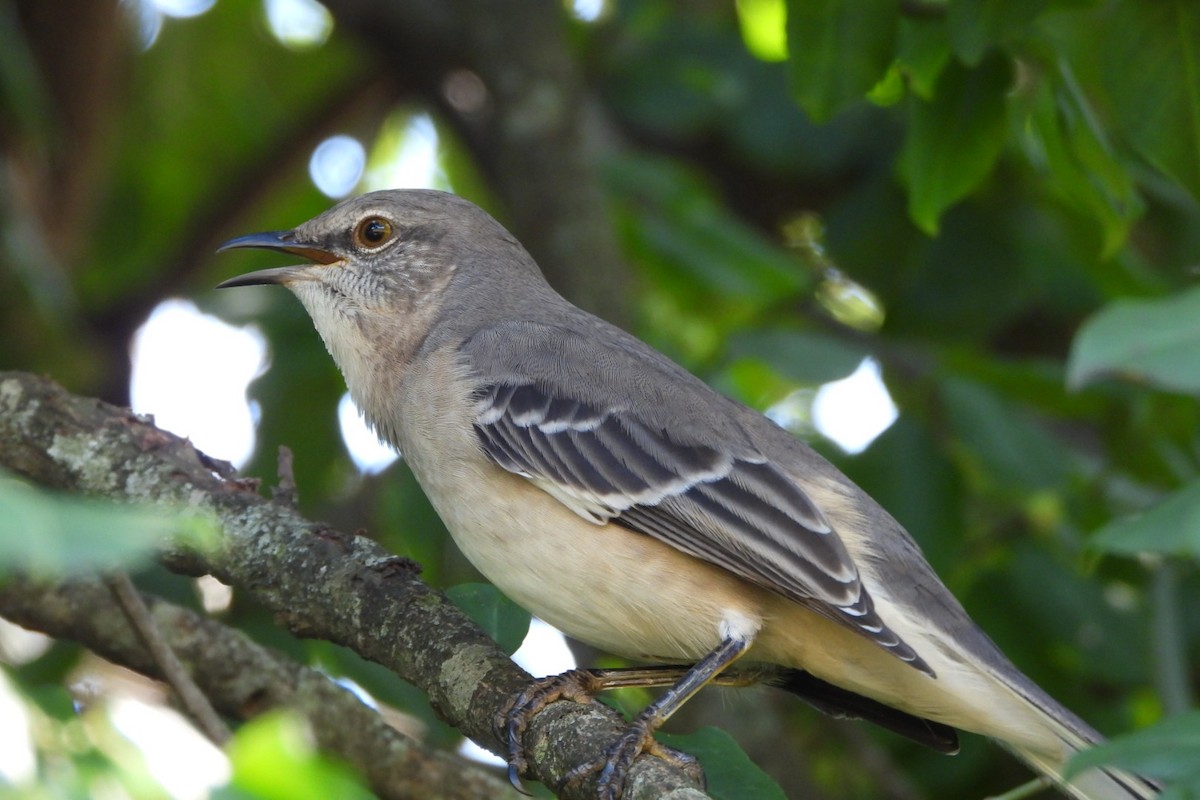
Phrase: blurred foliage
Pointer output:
(274, 758)
(997, 201)
(729, 773)
(488, 608)
(75, 536)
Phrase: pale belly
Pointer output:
(609, 587)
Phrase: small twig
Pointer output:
(285, 492)
(194, 701)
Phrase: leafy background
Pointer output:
(997, 200)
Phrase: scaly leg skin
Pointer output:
(580, 685)
(614, 763)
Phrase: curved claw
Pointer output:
(514, 779)
(614, 764)
(578, 685)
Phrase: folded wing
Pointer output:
(740, 513)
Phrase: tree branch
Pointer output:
(243, 678)
(319, 582)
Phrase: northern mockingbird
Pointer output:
(616, 496)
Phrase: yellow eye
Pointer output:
(373, 232)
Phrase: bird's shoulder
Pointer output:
(584, 359)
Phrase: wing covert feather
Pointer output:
(739, 512)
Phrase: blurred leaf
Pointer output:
(759, 386)
(299, 393)
(51, 534)
(762, 24)
(1154, 342)
(274, 758)
(683, 77)
(24, 97)
(890, 89)
(1065, 132)
(1002, 439)
(56, 702)
(1057, 624)
(52, 667)
(674, 220)
(838, 50)
(1157, 104)
(383, 686)
(153, 578)
(406, 523)
(954, 140)
(500, 618)
(1171, 527)
(808, 357)
(731, 774)
(1169, 751)
(679, 75)
(979, 25)
(923, 53)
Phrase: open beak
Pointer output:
(281, 241)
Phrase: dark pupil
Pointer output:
(375, 231)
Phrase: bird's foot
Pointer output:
(579, 685)
(618, 757)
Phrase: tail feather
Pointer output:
(1045, 738)
(1095, 784)
(1074, 735)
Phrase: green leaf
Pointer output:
(1152, 74)
(805, 356)
(501, 618)
(47, 533)
(343, 664)
(978, 25)
(763, 24)
(1168, 751)
(1172, 527)
(954, 140)
(924, 53)
(274, 758)
(1011, 447)
(730, 772)
(1064, 133)
(674, 218)
(838, 50)
(1153, 342)
(890, 89)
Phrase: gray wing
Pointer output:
(741, 513)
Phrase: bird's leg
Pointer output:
(582, 684)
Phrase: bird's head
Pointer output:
(383, 253)
(381, 270)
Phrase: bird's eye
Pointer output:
(373, 232)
